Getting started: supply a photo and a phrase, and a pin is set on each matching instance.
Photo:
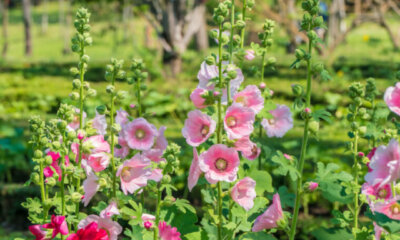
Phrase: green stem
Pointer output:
(139, 98)
(300, 164)
(260, 136)
(244, 20)
(219, 211)
(355, 167)
(157, 212)
(262, 67)
(393, 189)
(62, 188)
(42, 191)
(112, 113)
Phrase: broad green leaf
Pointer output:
(263, 181)
(287, 198)
(285, 166)
(257, 236)
(332, 234)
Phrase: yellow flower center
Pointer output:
(231, 121)
(204, 130)
(240, 99)
(126, 174)
(395, 208)
(382, 193)
(271, 121)
(140, 134)
(221, 164)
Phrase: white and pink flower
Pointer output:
(140, 134)
(243, 193)
(392, 98)
(239, 121)
(269, 219)
(250, 97)
(198, 128)
(280, 123)
(195, 171)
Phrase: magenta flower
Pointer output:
(38, 231)
(110, 210)
(98, 161)
(244, 192)
(195, 171)
(250, 55)
(281, 122)
(147, 225)
(100, 123)
(312, 186)
(48, 171)
(379, 192)
(58, 224)
(390, 208)
(392, 98)
(238, 121)
(385, 164)
(270, 217)
(198, 128)
(112, 228)
(140, 134)
(248, 149)
(197, 98)
(156, 152)
(219, 163)
(134, 173)
(167, 232)
(90, 232)
(90, 187)
(250, 97)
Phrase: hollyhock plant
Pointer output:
(110, 210)
(195, 171)
(385, 164)
(140, 134)
(250, 97)
(38, 231)
(58, 225)
(48, 171)
(244, 192)
(379, 192)
(134, 173)
(98, 161)
(167, 232)
(112, 228)
(100, 124)
(390, 208)
(238, 121)
(197, 97)
(392, 98)
(156, 152)
(280, 123)
(91, 231)
(312, 186)
(198, 128)
(269, 219)
(90, 187)
(250, 55)
(248, 149)
(219, 163)
(96, 144)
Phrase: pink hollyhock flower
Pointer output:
(148, 217)
(96, 144)
(48, 171)
(250, 97)
(195, 171)
(167, 232)
(248, 149)
(378, 231)
(250, 55)
(369, 156)
(270, 217)
(385, 164)
(390, 208)
(38, 231)
(90, 187)
(244, 192)
(124, 149)
(58, 224)
(380, 192)
(112, 228)
(198, 128)
(110, 210)
(100, 123)
(281, 122)
(156, 175)
(392, 98)
(98, 161)
(74, 125)
(147, 225)
(262, 85)
(238, 121)
(90, 232)
(312, 186)
(288, 157)
(122, 117)
(156, 152)
(219, 163)
(134, 173)
(140, 134)
(197, 98)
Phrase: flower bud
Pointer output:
(76, 84)
(76, 197)
(91, 92)
(48, 160)
(210, 60)
(88, 41)
(62, 125)
(225, 56)
(362, 130)
(74, 96)
(214, 34)
(121, 95)
(314, 126)
(74, 71)
(262, 86)
(56, 145)
(110, 89)
(250, 3)
(240, 24)
(51, 181)
(297, 90)
(226, 26)
(169, 200)
(299, 54)
(132, 105)
(102, 109)
(162, 164)
(116, 128)
(81, 134)
(48, 203)
(312, 186)
(232, 74)
(216, 93)
(166, 179)
(35, 178)
(85, 58)
(38, 154)
(307, 110)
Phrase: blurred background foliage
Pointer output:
(362, 42)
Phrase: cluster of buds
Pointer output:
(221, 12)
(115, 72)
(82, 37)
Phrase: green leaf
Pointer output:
(180, 215)
(263, 181)
(257, 236)
(208, 195)
(287, 198)
(332, 234)
(390, 225)
(322, 114)
(285, 166)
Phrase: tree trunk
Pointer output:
(174, 62)
(45, 17)
(5, 27)
(26, 5)
(65, 21)
(126, 16)
(201, 36)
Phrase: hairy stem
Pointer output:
(42, 191)
(244, 20)
(157, 212)
(219, 211)
(139, 98)
(356, 173)
(112, 113)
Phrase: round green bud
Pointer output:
(210, 60)
(318, 67)
(225, 39)
(74, 71)
(86, 86)
(358, 101)
(35, 178)
(62, 125)
(56, 145)
(250, 3)
(71, 135)
(225, 56)
(169, 200)
(91, 92)
(213, 34)
(143, 87)
(75, 48)
(144, 75)
(76, 84)
(110, 89)
(162, 164)
(226, 26)
(51, 181)
(314, 126)
(109, 76)
(299, 54)
(102, 109)
(354, 126)
(74, 96)
(166, 179)
(121, 95)
(240, 24)
(232, 74)
(76, 197)
(297, 90)
(362, 111)
(121, 74)
(88, 41)
(48, 203)
(38, 154)
(362, 130)
(116, 128)
(85, 58)
(318, 21)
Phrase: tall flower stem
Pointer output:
(303, 151)
(139, 98)
(219, 211)
(356, 173)
(42, 191)
(244, 20)
(62, 185)
(112, 113)
(157, 212)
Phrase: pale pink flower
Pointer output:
(197, 98)
(90, 187)
(288, 157)
(148, 217)
(243, 193)
(167, 232)
(270, 217)
(378, 231)
(250, 55)
(248, 149)
(238, 121)
(100, 123)
(195, 171)
(99, 161)
(122, 117)
(58, 224)
(113, 228)
(262, 85)
(312, 186)
(198, 128)
(74, 125)
(156, 175)
(219, 163)
(281, 122)
(134, 173)
(380, 192)
(140, 134)
(38, 231)
(110, 210)
(96, 144)
(392, 98)
(250, 97)
(156, 152)
(390, 208)
(385, 164)
(123, 150)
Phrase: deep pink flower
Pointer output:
(156, 152)
(239, 121)
(134, 173)
(250, 97)
(110, 210)
(385, 164)
(250, 55)
(270, 217)
(390, 208)
(392, 98)
(38, 231)
(140, 134)
(380, 192)
(195, 171)
(248, 149)
(90, 232)
(112, 228)
(48, 171)
(58, 224)
(167, 232)
(198, 128)
(312, 186)
(90, 187)
(100, 123)
(98, 161)
(281, 122)
(147, 225)
(244, 192)
(219, 163)
(197, 98)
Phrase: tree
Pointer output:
(5, 27)
(26, 8)
(65, 20)
(45, 17)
